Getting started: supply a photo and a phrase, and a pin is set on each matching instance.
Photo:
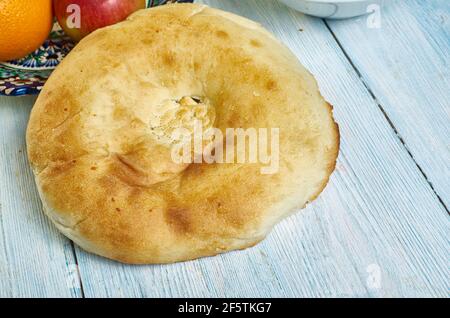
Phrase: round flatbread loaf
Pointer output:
(99, 136)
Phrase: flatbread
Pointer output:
(99, 136)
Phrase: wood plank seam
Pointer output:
(5, 249)
(80, 280)
(391, 124)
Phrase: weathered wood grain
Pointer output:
(35, 260)
(406, 64)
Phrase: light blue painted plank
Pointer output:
(406, 63)
(377, 214)
(35, 260)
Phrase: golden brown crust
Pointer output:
(105, 174)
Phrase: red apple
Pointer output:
(78, 18)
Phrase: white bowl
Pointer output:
(333, 9)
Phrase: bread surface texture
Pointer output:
(99, 139)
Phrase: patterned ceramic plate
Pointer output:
(27, 76)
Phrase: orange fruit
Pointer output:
(24, 24)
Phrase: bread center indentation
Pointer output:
(184, 115)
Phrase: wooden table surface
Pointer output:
(380, 229)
